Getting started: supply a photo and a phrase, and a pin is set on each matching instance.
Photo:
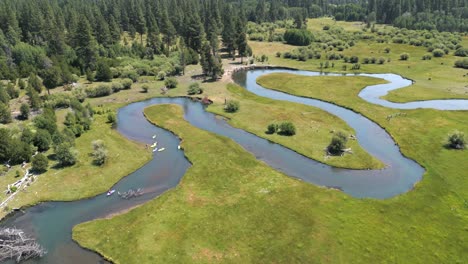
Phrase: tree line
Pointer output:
(443, 15)
(65, 37)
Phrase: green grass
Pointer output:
(313, 125)
(84, 179)
(232, 208)
(434, 79)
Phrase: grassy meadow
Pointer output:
(83, 179)
(232, 208)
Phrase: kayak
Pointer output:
(109, 193)
(178, 147)
(155, 149)
(154, 145)
(161, 149)
(154, 136)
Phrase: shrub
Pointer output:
(387, 50)
(171, 82)
(89, 75)
(194, 88)
(145, 88)
(99, 91)
(24, 111)
(272, 128)
(326, 27)
(287, 129)
(462, 63)
(438, 53)
(130, 74)
(354, 59)
(40, 163)
(42, 140)
(299, 37)
(461, 52)
(99, 152)
(427, 57)
(337, 144)
(404, 56)
(161, 75)
(127, 83)
(278, 54)
(112, 119)
(356, 66)
(231, 106)
(381, 60)
(66, 156)
(116, 87)
(103, 72)
(5, 113)
(456, 140)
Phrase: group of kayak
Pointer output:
(154, 146)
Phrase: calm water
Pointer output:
(52, 222)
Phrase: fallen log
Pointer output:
(17, 246)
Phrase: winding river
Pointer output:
(52, 222)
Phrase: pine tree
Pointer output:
(85, 45)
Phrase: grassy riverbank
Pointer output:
(313, 125)
(84, 179)
(434, 79)
(232, 208)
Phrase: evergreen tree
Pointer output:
(85, 45)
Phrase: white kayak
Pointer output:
(155, 149)
(109, 193)
(161, 149)
(178, 147)
(154, 136)
(154, 144)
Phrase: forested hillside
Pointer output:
(443, 15)
(72, 34)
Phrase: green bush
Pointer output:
(127, 83)
(130, 74)
(99, 152)
(145, 88)
(116, 87)
(111, 118)
(299, 37)
(461, 52)
(427, 57)
(194, 88)
(103, 72)
(99, 91)
(161, 75)
(42, 140)
(272, 128)
(404, 56)
(40, 163)
(287, 129)
(66, 156)
(337, 144)
(171, 82)
(438, 53)
(462, 63)
(231, 106)
(456, 140)
(24, 111)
